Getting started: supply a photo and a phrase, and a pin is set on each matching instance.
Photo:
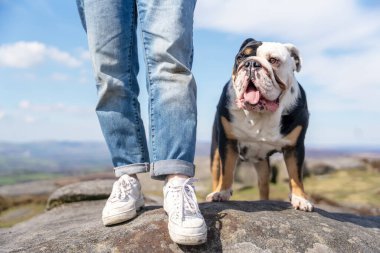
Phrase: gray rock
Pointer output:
(318, 169)
(88, 190)
(36, 188)
(336, 163)
(236, 226)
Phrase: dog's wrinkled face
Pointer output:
(262, 73)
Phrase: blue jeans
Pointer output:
(166, 32)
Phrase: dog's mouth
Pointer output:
(253, 100)
(251, 94)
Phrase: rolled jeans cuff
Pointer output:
(160, 169)
(131, 169)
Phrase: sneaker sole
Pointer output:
(119, 218)
(187, 239)
(122, 216)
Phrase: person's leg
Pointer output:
(111, 32)
(167, 27)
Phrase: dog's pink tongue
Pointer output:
(252, 96)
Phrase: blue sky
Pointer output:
(47, 89)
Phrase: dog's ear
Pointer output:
(245, 43)
(295, 54)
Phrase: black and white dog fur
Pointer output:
(262, 110)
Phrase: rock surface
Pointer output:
(89, 190)
(236, 226)
(43, 187)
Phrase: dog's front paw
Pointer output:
(300, 203)
(223, 195)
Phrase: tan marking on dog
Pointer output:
(226, 178)
(227, 128)
(263, 174)
(295, 184)
(248, 51)
(292, 137)
(233, 76)
(215, 169)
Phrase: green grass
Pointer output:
(277, 192)
(347, 187)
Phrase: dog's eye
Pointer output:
(273, 60)
(239, 58)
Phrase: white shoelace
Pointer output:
(123, 190)
(186, 200)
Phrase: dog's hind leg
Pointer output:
(263, 176)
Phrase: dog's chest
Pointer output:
(256, 136)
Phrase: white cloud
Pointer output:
(2, 114)
(29, 119)
(84, 75)
(26, 54)
(22, 54)
(58, 107)
(339, 42)
(352, 79)
(31, 113)
(24, 104)
(85, 55)
(44, 121)
(63, 57)
(294, 19)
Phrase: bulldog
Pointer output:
(262, 110)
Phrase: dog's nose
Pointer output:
(256, 64)
(253, 64)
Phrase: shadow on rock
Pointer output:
(368, 222)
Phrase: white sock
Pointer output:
(177, 181)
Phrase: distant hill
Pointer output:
(72, 157)
(313, 152)
(53, 157)
(203, 149)
(61, 156)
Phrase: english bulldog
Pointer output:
(262, 110)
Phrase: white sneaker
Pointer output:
(186, 224)
(124, 202)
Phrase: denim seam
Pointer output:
(149, 79)
(136, 116)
